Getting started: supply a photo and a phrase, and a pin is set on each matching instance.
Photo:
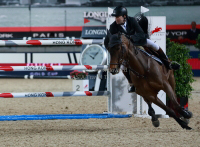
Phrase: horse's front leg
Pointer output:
(151, 112)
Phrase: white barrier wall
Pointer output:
(12, 57)
(39, 57)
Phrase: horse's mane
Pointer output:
(120, 39)
(128, 41)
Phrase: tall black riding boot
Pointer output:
(127, 75)
(170, 65)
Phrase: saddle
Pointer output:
(150, 52)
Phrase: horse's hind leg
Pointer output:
(177, 107)
(151, 112)
(171, 81)
(169, 111)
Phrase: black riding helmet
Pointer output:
(119, 11)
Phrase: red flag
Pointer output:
(86, 20)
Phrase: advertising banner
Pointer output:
(94, 32)
(157, 33)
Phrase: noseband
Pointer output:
(120, 57)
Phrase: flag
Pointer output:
(143, 9)
(86, 20)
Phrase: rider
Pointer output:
(128, 25)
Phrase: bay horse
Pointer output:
(147, 75)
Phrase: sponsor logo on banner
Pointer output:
(99, 15)
(176, 33)
(6, 35)
(94, 32)
(27, 68)
(47, 35)
(35, 95)
(67, 42)
(157, 33)
(157, 29)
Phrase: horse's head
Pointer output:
(118, 51)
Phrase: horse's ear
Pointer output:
(119, 35)
(109, 34)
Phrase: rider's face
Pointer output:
(120, 20)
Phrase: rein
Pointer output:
(121, 57)
(122, 61)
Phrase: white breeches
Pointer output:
(152, 45)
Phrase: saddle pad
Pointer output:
(153, 57)
(140, 47)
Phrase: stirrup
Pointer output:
(174, 65)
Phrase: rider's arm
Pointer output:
(138, 37)
(136, 26)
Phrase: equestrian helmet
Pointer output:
(119, 11)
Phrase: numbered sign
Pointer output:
(80, 85)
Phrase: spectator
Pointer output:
(192, 34)
(180, 38)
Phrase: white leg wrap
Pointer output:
(152, 45)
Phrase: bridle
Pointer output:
(121, 58)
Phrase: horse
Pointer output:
(148, 76)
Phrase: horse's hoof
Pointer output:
(156, 123)
(186, 114)
(191, 114)
(187, 121)
(187, 128)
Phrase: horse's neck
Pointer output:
(136, 61)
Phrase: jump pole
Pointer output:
(50, 42)
(61, 94)
(53, 68)
(54, 94)
(32, 77)
(61, 116)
